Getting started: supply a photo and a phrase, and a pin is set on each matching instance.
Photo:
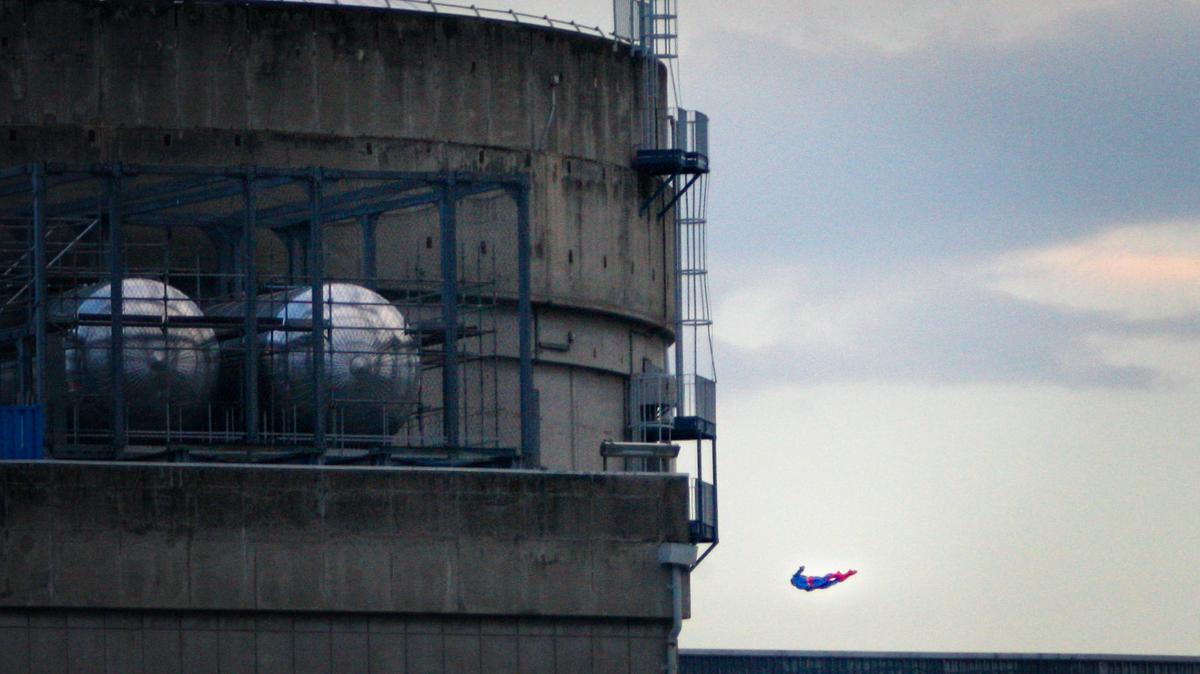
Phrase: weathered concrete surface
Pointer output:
(310, 85)
(300, 85)
(219, 642)
(333, 539)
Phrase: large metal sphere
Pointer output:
(372, 364)
(168, 372)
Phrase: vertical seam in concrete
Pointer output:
(571, 396)
(187, 583)
(177, 113)
(628, 649)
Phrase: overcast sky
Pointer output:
(956, 270)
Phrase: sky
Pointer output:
(955, 256)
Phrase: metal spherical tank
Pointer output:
(168, 372)
(372, 365)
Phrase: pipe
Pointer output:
(678, 556)
(676, 620)
(554, 82)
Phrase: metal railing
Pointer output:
(457, 9)
(699, 397)
(691, 131)
(702, 511)
(627, 20)
(652, 398)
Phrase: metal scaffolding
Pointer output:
(196, 313)
(678, 406)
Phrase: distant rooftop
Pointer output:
(935, 655)
(884, 662)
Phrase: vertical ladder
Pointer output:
(658, 41)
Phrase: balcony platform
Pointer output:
(694, 428)
(670, 162)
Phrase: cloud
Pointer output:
(891, 27)
(788, 307)
(955, 322)
(1134, 273)
(952, 150)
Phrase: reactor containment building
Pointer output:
(349, 338)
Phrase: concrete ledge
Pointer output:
(161, 536)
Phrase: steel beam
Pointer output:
(131, 196)
(250, 297)
(449, 267)
(40, 299)
(530, 412)
(424, 177)
(13, 171)
(116, 278)
(369, 259)
(678, 195)
(316, 268)
(678, 318)
(19, 187)
(268, 215)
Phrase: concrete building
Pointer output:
(511, 186)
(163, 568)
(292, 85)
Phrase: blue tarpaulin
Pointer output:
(20, 432)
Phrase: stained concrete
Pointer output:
(329, 539)
(73, 641)
(296, 569)
(298, 85)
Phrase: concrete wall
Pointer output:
(81, 641)
(301, 85)
(552, 572)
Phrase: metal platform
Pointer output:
(694, 428)
(670, 162)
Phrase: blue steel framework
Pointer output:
(304, 202)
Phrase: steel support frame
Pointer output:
(116, 293)
(662, 215)
(716, 494)
(198, 185)
(530, 405)
(316, 274)
(40, 301)
(250, 296)
(370, 266)
(447, 222)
